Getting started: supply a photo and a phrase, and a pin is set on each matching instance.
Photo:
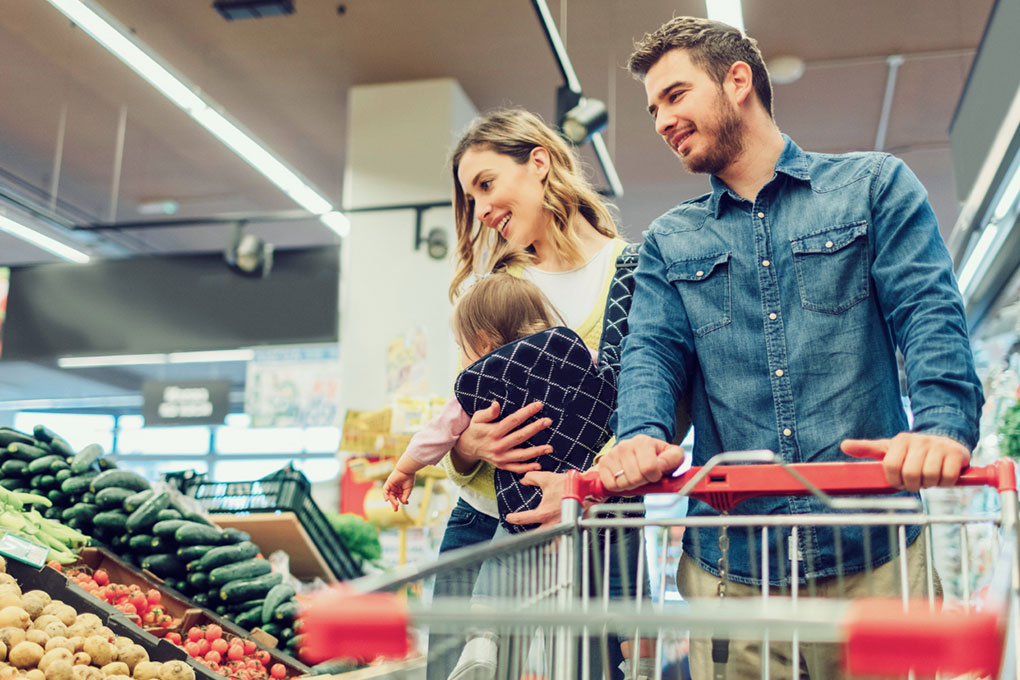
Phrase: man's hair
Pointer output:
(498, 309)
(711, 45)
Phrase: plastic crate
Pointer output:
(286, 490)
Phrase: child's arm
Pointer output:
(400, 482)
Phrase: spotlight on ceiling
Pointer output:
(249, 255)
(579, 117)
(785, 69)
(436, 244)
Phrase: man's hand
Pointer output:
(636, 462)
(548, 510)
(912, 460)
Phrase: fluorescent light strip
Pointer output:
(726, 11)
(114, 37)
(205, 357)
(45, 242)
(977, 257)
(211, 356)
(1009, 195)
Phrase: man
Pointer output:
(777, 302)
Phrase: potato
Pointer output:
(132, 656)
(100, 649)
(14, 616)
(81, 659)
(122, 643)
(89, 620)
(44, 620)
(26, 655)
(3, 565)
(11, 636)
(77, 643)
(106, 633)
(3, 652)
(37, 636)
(54, 654)
(59, 641)
(35, 674)
(8, 672)
(86, 673)
(10, 595)
(8, 579)
(55, 629)
(115, 668)
(176, 670)
(147, 670)
(66, 613)
(59, 670)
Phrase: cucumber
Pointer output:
(273, 628)
(199, 580)
(46, 482)
(84, 459)
(14, 468)
(194, 533)
(228, 554)
(197, 517)
(57, 497)
(145, 516)
(112, 498)
(57, 444)
(164, 565)
(238, 607)
(192, 566)
(249, 619)
(135, 501)
(187, 553)
(278, 595)
(78, 483)
(168, 527)
(122, 478)
(11, 436)
(111, 520)
(106, 464)
(243, 570)
(43, 463)
(163, 544)
(88, 497)
(53, 512)
(231, 536)
(201, 599)
(10, 483)
(169, 513)
(286, 613)
(64, 474)
(141, 543)
(26, 452)
(250, 589)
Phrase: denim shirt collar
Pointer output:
(792, 162)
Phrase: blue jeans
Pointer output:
(466, 526)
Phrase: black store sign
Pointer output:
(185, 402)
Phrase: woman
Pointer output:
(519, 193)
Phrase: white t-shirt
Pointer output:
(574, 293)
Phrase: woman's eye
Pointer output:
(485, 184)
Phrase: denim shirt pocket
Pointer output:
(832, 267)
(704, 287)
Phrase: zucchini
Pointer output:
(168, 527)
(286, 613)
(42, 464)
(141, 543)
(11, 436)
(112, 498)
(250, 589)
(194, 533)
(243, 570)
(84, 459)
(135, 501)
(145, 516)
(228, 554)
(187, 553)
(26, 452)
(249, 619)
(199, 580)
(122, 478)
(110, 520)
(164, 565)
(169, 513)
(14, 468)
(64, 474)
(231, 536)
(78, 483)
(278, 595)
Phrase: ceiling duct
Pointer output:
(253, 9)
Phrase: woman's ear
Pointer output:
(539, 162)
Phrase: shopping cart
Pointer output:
(550, 611)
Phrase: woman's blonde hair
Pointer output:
(516, 133)
(500, 308)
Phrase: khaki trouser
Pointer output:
(817, 661)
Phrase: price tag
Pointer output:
(23, 550)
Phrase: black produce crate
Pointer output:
(286, 490)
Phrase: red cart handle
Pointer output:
(724, 486)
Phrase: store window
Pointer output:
(134, 438)
(235, 436)
(78, 429)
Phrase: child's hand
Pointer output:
(398, 488)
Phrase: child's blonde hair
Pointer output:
(499, 309)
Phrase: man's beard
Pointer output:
(728, 131)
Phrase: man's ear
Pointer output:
(740, 82)
(539, 161)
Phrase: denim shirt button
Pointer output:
(773, 316)
(761, 215)
(779, 373)
(787, 432)
(765, 263)
(828, 244)
(699, 273)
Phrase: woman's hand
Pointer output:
(497, 442)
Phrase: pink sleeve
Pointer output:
(439, 435)
(594, 356)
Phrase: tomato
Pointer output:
(263, 657)
(101, 577)
(192, 649)
(236, 652)
(153, 596)
(219, 644)
(204, 646)
(213, 632)
(195, 634)
(213, 656)
(250, 646)
(174, 637)
(278, 671)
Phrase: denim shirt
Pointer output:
(782, 318)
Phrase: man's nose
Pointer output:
(664, 123)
